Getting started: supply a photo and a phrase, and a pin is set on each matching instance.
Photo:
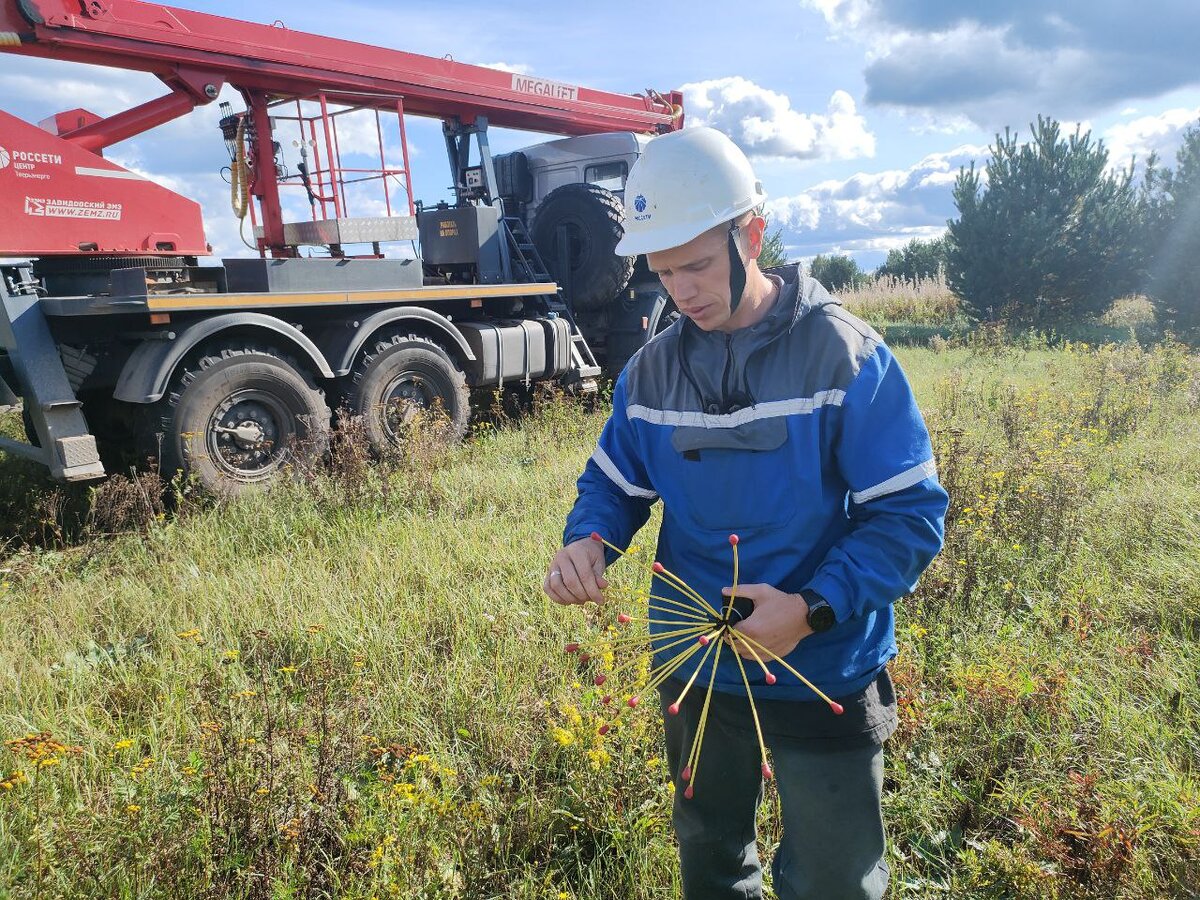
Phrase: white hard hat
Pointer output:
(685, 183)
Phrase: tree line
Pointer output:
(1047, 236)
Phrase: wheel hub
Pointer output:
(248, 435)
(404, 398)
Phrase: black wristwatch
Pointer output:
(821, 616)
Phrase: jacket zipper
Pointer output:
(725, 374)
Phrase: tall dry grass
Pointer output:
(927, 301)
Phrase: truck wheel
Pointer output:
(237, 416)
(399, 376)
(593, 221)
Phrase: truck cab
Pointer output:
(569, 193)
(600, 159)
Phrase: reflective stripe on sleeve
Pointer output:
(609, 468)
(906, 479)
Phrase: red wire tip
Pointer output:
(673, 709)
(766, 772)
(690, 792)
(584, 657)
(633, 701)
(624, 619)
(771, 679)
(837, 708)
(606, 699)
(603, 729)
(571, 648)
(733, 540)
(658, 567)
(599, 680)
(704, 640)
(596, 537)
(686, 774)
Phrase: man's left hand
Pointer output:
(779, 621)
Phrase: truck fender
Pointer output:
(344, 344)
(148, 370)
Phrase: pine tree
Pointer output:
(773, 252)
(1173, 230)
(1050, 239)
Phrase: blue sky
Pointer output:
(856, 113)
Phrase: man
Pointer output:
(770, 412)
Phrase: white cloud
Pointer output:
(870, 213)
(515, 68)
(764, 124)
(842, 14)
(1002, 63)
(42, 87)
(1161, 134)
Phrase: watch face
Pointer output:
(821, 618)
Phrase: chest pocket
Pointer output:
(734, 479)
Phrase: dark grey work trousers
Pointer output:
(833, 838)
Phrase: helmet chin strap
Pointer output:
(737, 271)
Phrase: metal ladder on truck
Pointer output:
(528, 266)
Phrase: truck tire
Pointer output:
(238, 417)
(397, 376)
(593, 219)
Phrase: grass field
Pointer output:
(353, 687)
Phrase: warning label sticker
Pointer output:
(72, 209)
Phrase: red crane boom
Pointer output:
(196, 53)
(164, 40)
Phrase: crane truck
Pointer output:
(120, 334)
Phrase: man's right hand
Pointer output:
(577, 573)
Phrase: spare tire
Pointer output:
(592, 220)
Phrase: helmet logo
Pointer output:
(639, 203)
